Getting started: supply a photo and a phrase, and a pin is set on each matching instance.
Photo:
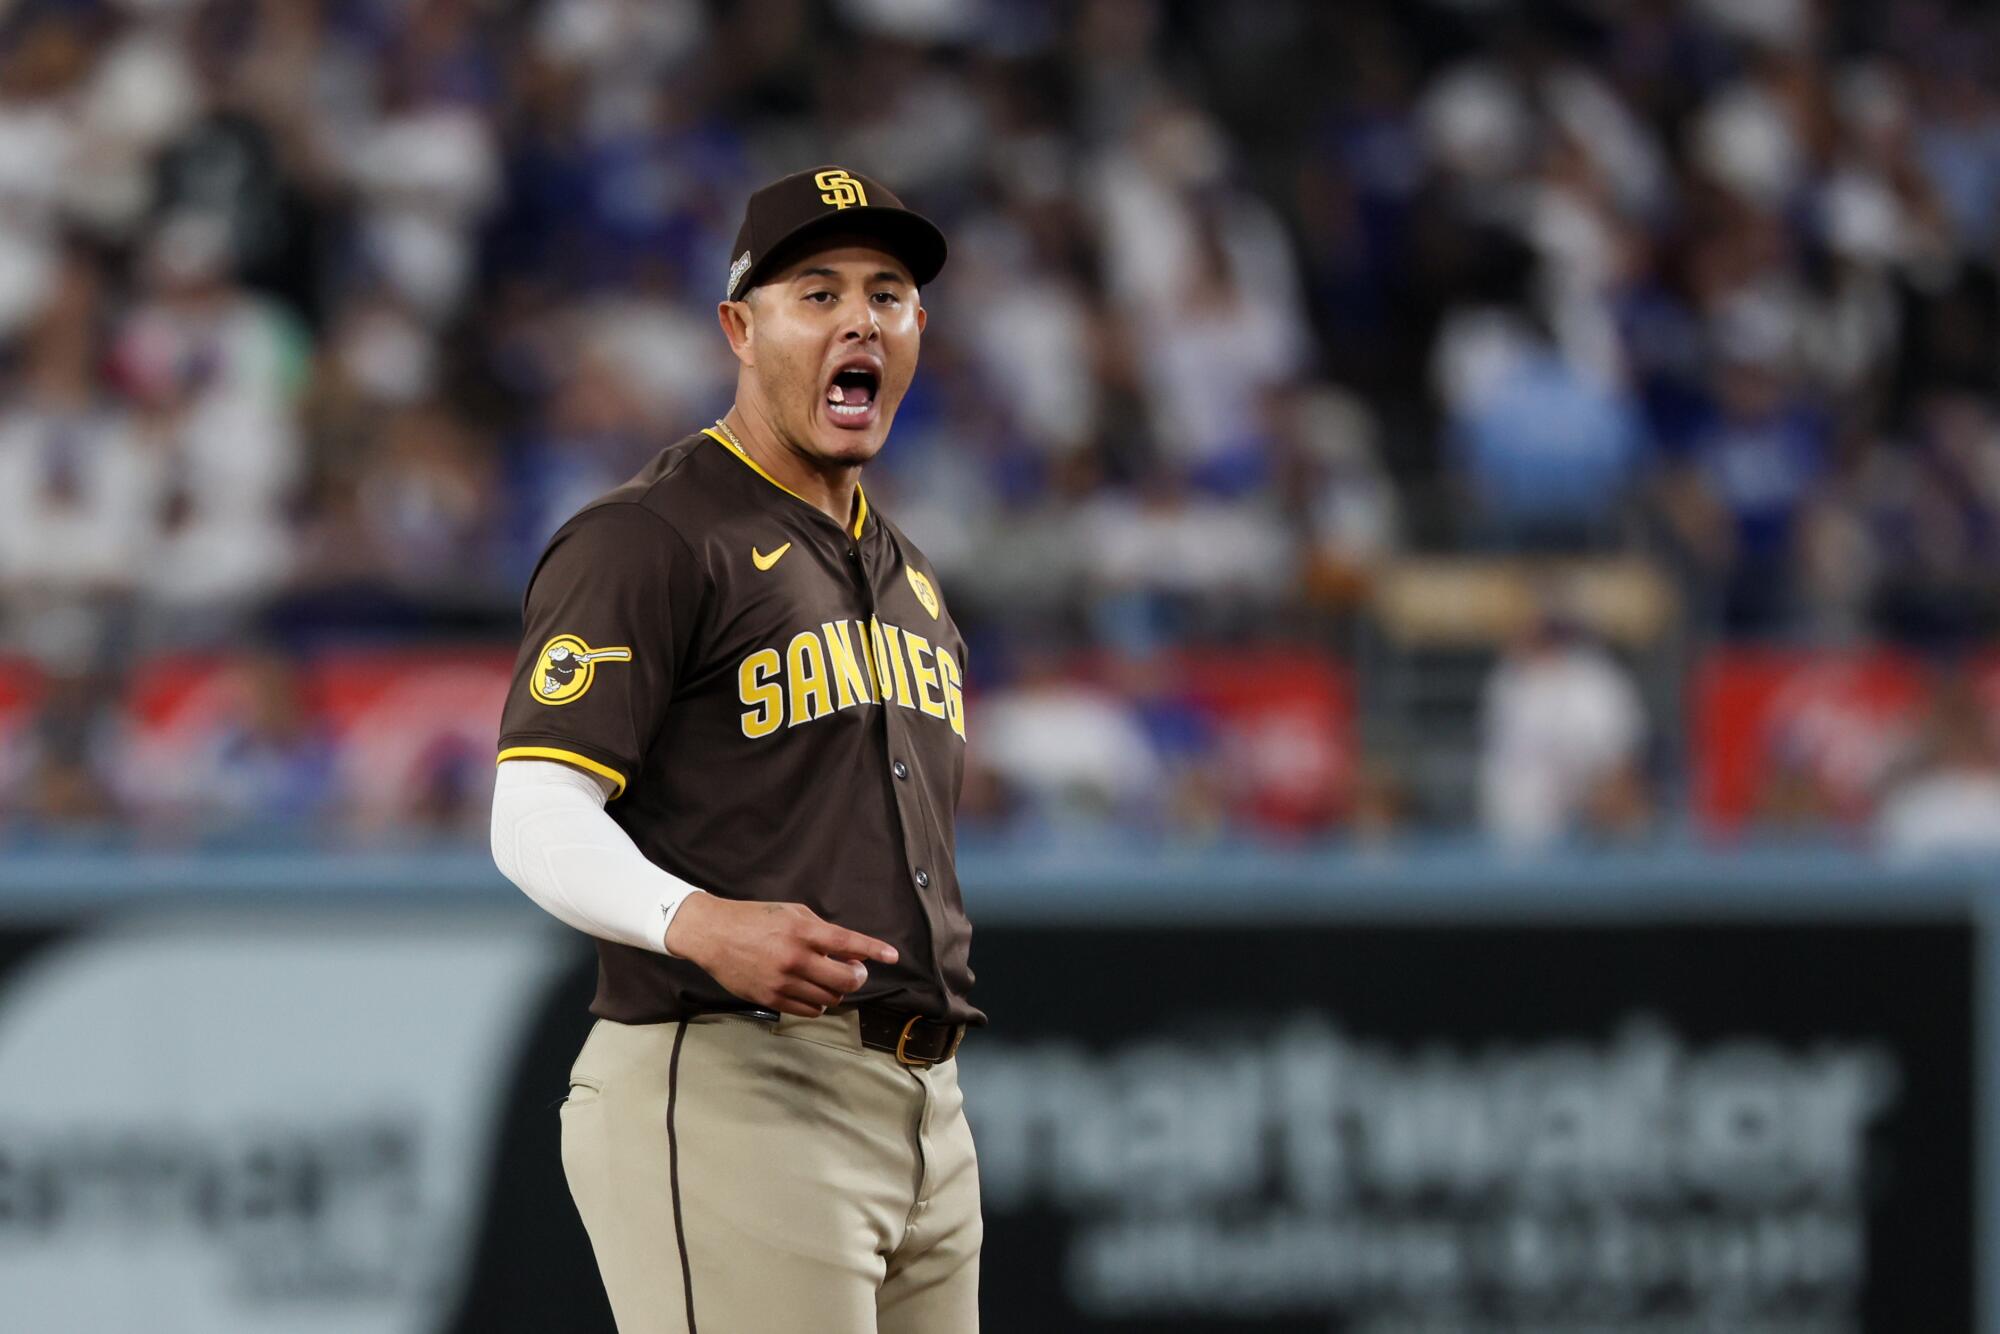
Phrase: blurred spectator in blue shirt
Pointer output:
(593, 437)
(1939, 534)
(272, 758)
(1958, 144)
(1736, 494)
(1550, 452)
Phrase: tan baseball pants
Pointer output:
(742, 1177)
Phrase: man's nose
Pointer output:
(862, 327)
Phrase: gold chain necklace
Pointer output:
(730, 436)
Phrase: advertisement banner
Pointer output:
(255, 1123)
(1477, 1130)
(275, 1121)
(1803, 740)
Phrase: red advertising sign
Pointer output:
(1800, 739)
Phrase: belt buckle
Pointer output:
(918, 1062)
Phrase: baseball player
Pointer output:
(731, 753)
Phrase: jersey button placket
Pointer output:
(891, 723)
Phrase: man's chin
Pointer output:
(840, 445)
(854, 453)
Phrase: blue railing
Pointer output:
(1124, 878)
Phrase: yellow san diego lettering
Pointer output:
(850, 676)
(927, 677)
(840, 664)
(872, 649)
(887, 665)
(805, 664)
(766, 697)
(891, 647)
(954, 693)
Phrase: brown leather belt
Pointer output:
(915, 1040)
(911, 1038)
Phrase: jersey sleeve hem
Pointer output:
(566, 756)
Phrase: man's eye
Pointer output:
(886, 298)
(821, 297)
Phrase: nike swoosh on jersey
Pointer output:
(763, 562)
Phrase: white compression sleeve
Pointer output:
(553, 838)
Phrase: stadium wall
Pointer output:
(1222, 1091)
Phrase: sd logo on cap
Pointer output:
(795, 209)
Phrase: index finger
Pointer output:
(840, 943)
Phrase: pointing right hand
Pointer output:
(781, 956)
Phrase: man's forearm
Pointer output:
(553, 838)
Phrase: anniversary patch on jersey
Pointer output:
(566, 668)
(926, 594)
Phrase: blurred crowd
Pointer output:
(318, 316)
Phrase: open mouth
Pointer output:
(851, 399)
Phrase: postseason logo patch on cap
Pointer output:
(736, 272)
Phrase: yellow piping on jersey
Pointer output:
(860, 496)
(583, 762)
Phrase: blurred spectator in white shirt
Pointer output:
(1036, 341)
(79, 491)
(1209, 358)
(40, 147)
(1948, 801)
(216, 371)
(1204, 274)
(1163, 558)
(660, 344)
(1564, 731)
(427, 172)
(1335, 487)
(1072, 753)
(142, 94)
(623, 49)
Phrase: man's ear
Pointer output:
(738, 320)
(923, 316)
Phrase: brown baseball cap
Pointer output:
(789, 212)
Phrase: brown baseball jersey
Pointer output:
(778, 700)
